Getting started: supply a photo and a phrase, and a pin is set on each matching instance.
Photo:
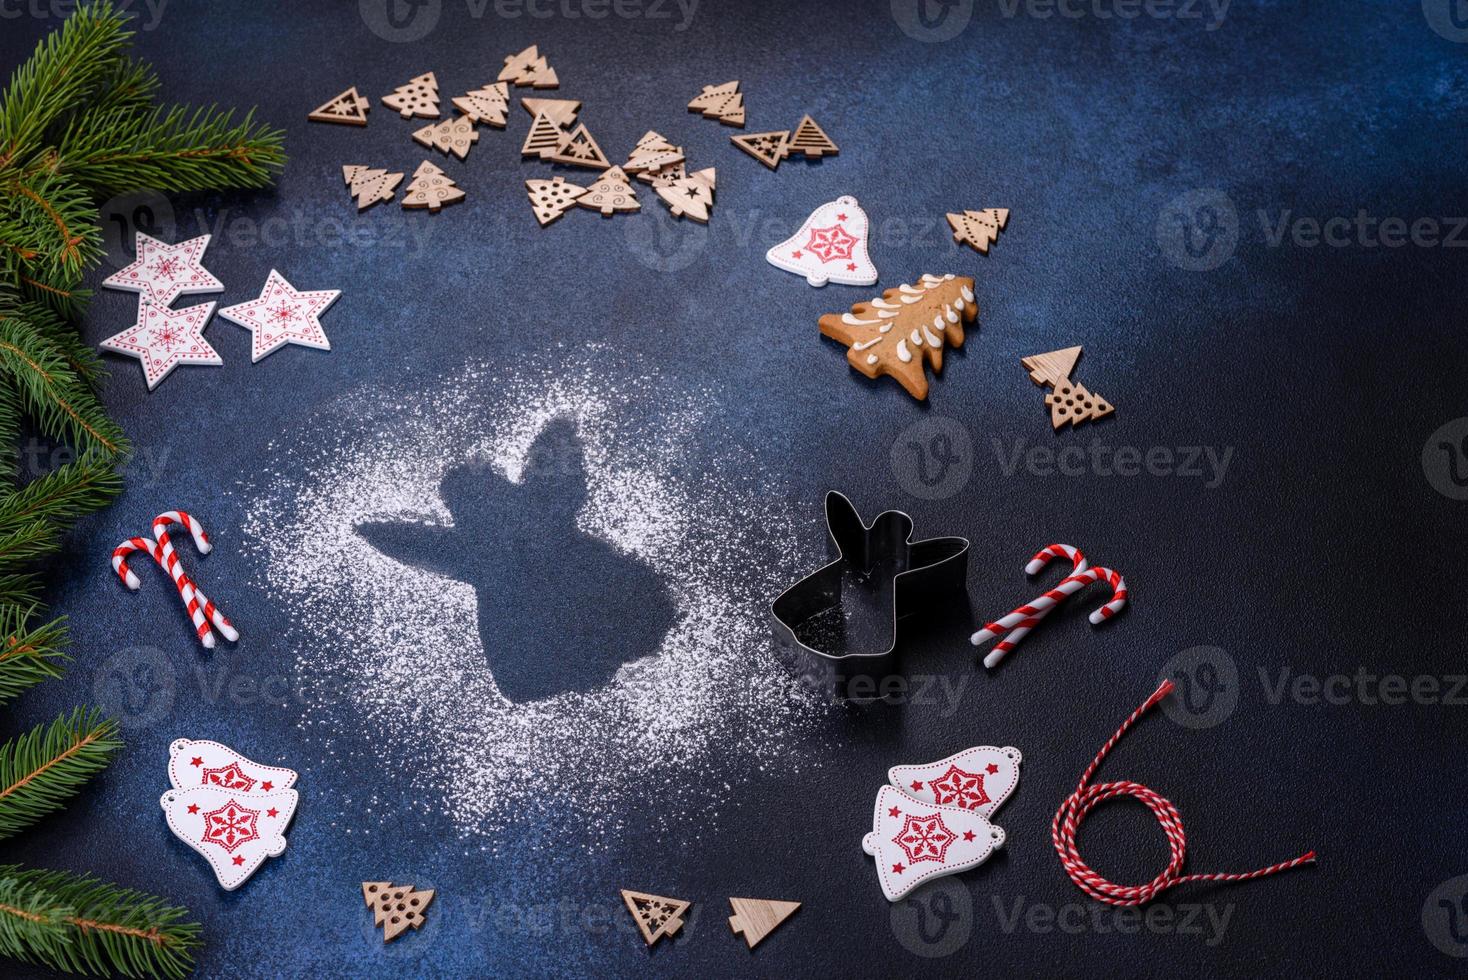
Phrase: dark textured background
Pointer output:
(1325, 548)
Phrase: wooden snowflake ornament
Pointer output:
(898, 332)
(370, 186)
(454, 136)
(396, 908)
(486, 105)
(431, 188)
(550, 199)
(656, 917)
(418, 97)
(691, 196)
(978, 229)
(721, 102)
(348, 109)
(611, 192)
(768, 148)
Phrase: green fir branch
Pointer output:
(28, 656)
(45, 767)
(78, 924)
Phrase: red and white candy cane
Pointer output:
(155, 551)
(1086, 797)
(1028, 616)
(188, 590)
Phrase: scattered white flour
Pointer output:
(666, 743)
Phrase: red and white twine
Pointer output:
(1027, 617)
(1068, 818)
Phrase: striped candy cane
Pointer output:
(1035, 610)
(1028, 616)
(187, 589)
(1087, 795)
(155, 551)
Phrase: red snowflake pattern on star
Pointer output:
(924, 838)
(231, 825)
(831, 243)
(282, 315)
(958, 788)
(229, 777)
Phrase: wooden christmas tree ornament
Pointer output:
(550, 199)
(978, 229)
(611, 192)
(652, 153)
(656, 917)
(562, 111)
(544, 138)
(768, 148)
(691, 196)
(370, 186)
(578, 149)
(811, 140)
(664, 176)
(418, 97)
(897, 332)
(454, 136)
(431, 188)
(529, 68)
(721, 102)
(756, 918)
(395, 908)
(486, 105)
(1070, 403)
(349, 109)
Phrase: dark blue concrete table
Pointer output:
(1250, 221)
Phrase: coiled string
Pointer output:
(1086, 797)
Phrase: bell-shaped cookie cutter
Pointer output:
(923, 573)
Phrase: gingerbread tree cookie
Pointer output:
(611, 192)
(895, 333)
(454, 136)
(486, 105)
(418, 97)
(431, 188)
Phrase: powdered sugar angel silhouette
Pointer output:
(559, 609)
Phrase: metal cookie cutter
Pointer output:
(843, 618)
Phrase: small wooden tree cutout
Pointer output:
(529, 68)
(550, 199)
(768, 148)
(611, 192)
(454, 136)
(656, 917)
(756, 918)
(978, 229)
(897, 332)
(395, 908)
(544, 138)
(562, 111)
(349, 109)
(486, 105)
(578, 149)
(1070, 403)
(418, 97)
(664, 176)
(811, 140)
(431, 188)
(721, 102)
(652, 153)
(370, 186)
(691, 196)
